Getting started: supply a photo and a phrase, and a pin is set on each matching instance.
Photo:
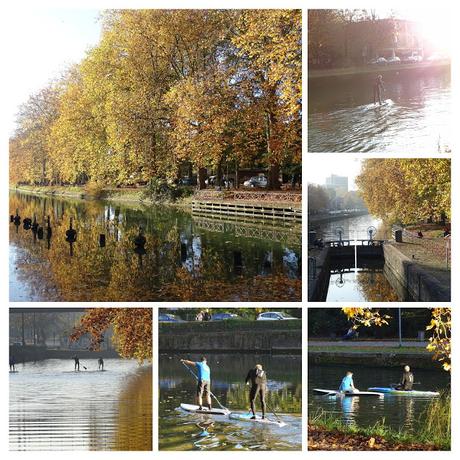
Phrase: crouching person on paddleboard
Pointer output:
(204, 381)
(257, 377)
(347, 385)
(407, 380)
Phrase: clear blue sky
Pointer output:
(42, 43)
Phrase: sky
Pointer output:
(339, 164)
(42, 44)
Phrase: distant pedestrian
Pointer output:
(100, 363)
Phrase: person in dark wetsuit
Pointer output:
(407, 380)
(258, 379)
(100, 363)
(378, 89)
(12, 363)
(77, 363)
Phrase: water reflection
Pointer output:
(179, 430)
(54, 408)
(360, 285)
(98, 257)
(342, 117)
(398, 412)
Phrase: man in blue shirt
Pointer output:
(204, 381)
(347, 385)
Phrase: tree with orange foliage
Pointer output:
(132, 330)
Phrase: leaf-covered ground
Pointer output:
(320, 438)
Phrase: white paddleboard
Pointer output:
(247, 418)
(339, 393)
(194, 408)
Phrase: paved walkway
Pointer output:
(365, 343)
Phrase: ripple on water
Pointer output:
(51, 409)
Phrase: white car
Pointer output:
(378, 61)
(413, 58)
(256, 181)
(274, 316)
(394, 60)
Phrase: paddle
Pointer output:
(210, 392)
(393, 385)
(274, 413)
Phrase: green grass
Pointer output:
(229, 325)
(368, 349)
(434, 426)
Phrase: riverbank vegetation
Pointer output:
(407, 190)
(440, 326)
(132, 330)
(168, 94)
(433, 432)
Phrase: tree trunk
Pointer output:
(201, 178)
(219, 174)
(273, 177)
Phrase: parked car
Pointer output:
(212, 180)
(274, 316)
(168, 318)
(378, 61)
(394, 60)
(223, 316)
(256, 181)
(413, 58)
(187, 181)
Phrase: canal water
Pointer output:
(415, 119)
(179, 430)
(350, 283)
(399, 412)
(186, 258)
(54, 408)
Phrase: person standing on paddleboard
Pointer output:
(100, 363)
(347, 385)
(204, 381)
(407, 380)
(12, 363)
(77, 363)
(258, 379)
(378, 89)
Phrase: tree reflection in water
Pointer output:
(181, 261)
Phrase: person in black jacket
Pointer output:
(257, 377)
(407, 380)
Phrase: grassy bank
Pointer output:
(369, 349)
(229, 325)
(326, 432)
(128, 194)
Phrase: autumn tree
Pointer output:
(269, 44)
(406, 190)
(440, 326)
(318, 199)
(132, 330)
(168, 87)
